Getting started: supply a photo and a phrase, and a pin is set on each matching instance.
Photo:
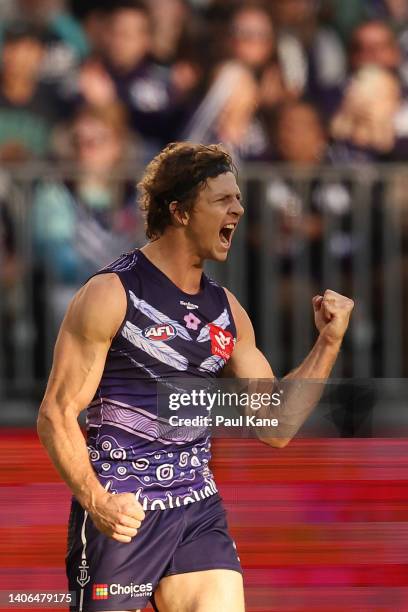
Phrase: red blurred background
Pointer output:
(320, 526)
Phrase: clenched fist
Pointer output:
(118, 516)
(332, 314)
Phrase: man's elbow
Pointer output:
(51, 418)
(45, 421)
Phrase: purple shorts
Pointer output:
(109, 575)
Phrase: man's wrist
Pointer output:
(90, 496)
(330, 342)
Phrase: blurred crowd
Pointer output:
(102, 85)
(207, 70)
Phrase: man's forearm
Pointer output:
(319, 362)
(62, 437)
(302, 390)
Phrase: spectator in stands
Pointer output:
(65, 42)
(375, 43)
(226, 113)
(170, 20)
(398, 19)
(300, 141)
(80, 224)
(240, 87)
(252, 43)
(372, 121)
(140, 84)
(311, 55)
(300, 134)
(29, 109)
(93, 17)
(306, 202)
(179, 36)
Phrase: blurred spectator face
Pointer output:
(292, 13)
(98, 144)
(366, 116)
(374, 43)
(128, 38)
(95, 24)
(300, 135)
(169, 18)
(22, 57)
(253, 41)
(398, 9)
(171, 12)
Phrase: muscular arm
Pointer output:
(90, 323)
(248, 362)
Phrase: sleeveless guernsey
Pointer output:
(166, 335)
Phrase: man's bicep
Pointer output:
(246, 361)
(82, 345)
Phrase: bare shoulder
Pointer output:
(98, 308)
(247, 361)
(242, 321)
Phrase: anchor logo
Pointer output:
(83, 577)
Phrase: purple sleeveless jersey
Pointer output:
(166, 335)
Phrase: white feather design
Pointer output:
(123, 263)
(158, 317)
(157, 349)
(212, 364)
(159, 379)
(222, 321)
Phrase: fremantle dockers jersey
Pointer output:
(166, 335)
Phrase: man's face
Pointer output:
(23, 57)
(128, 39)
(300, 135)
(97, 147)
(375, 44)
(252, 37)
(214, 217)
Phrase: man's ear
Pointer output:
(180, 217)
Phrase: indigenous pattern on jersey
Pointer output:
(167, 335)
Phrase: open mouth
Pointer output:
(226, 234)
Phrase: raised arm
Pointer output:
(332, 314)
(92, 319)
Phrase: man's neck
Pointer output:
(177, 262)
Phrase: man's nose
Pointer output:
(237, 207)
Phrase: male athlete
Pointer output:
(147, 523)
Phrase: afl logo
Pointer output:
(160, 332)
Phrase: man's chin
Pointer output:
(219, 255)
